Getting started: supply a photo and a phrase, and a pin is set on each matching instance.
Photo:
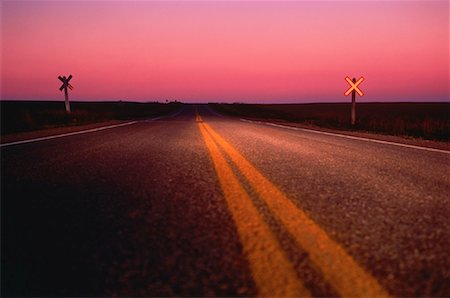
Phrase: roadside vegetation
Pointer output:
(424, 120)
(21, 116)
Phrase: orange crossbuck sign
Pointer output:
(354, 86)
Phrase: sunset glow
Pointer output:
(245, 51)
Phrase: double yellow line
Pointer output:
(272, 272)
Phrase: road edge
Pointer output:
(355, 136)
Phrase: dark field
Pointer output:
(20, 116)
(424, 120)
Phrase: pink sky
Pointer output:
(245, 51)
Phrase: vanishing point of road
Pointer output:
(198, 204)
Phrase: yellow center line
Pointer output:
(272, 272)
(347, 277)
(197, 116)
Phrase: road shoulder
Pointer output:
(406, 140)
(21, 136)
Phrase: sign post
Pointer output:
(353, 90)
(64, 86)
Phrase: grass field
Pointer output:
(20, 116)
(424, 120)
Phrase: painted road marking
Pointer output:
(198, 118)
(345, 275)
(272, 272)
(347, 136)
(66, 134)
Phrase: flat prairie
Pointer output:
(23, 116)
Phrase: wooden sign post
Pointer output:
(353, 90)
(64, 86)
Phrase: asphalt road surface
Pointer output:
(202, 205)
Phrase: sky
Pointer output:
(225, 51)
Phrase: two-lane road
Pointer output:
(202, 205)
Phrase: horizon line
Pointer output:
(221, 102)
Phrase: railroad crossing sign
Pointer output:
(64, 87)
(354, 86)
(353, 90)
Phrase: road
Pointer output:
(198, 204)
